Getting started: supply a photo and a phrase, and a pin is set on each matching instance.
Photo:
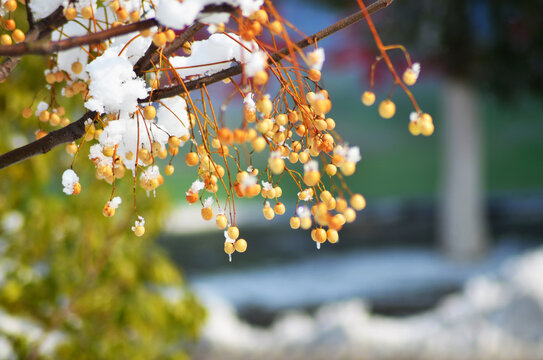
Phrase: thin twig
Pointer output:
(40, 30)
(77, 129)
(49, 47)
(236, 70)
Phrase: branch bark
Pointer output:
(76, 130)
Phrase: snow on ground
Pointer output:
(497, 315)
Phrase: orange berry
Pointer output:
(191, 159)
(77, 188)
(18, 36)
(207, 213)
(10, 25)
(314, 75)
(10, 5)
(27, 112)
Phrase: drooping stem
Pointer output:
(76, 130)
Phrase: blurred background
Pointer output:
(444, 263)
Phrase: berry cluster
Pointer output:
(133, 127)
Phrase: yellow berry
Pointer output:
(44, 116)
(358, 202)
(306, 223)
(261, 16)
(414, 128)
(427, 128)
(332, 236)
(108, 211)
(170, 35)
(240, 245)
(5, 40)
(295, 222)
(149, 112)
(276, 27)
(233, 232)
(409, 77)
(326, 196)
(320, 235)
(229, 247)
(77, 67)
(350, 215)
(279, 208)
(221, 221)
(169, 169)
(54, 119)
(348, 168)
(330, 169)
(139, 230)
(265, 106)
(341, 204)
(368, 98)
(86, 13)
(134, 16)
(70, 13)
(27, 112)
(277, 165)
(260, 78)
(312, 178)
(387, 109)
(268, 212)
(159, 39)
(18, 36)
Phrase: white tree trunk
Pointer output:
(463, 221)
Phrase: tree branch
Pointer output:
(151, 57)
(40, 30)
(58, 137)
(76, 130)
(236, 70)
(50, 47)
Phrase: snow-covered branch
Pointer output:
(76, 130)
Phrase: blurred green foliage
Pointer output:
(90, 287)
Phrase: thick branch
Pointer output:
(76, 130)
(58, 137)
(151, 57)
